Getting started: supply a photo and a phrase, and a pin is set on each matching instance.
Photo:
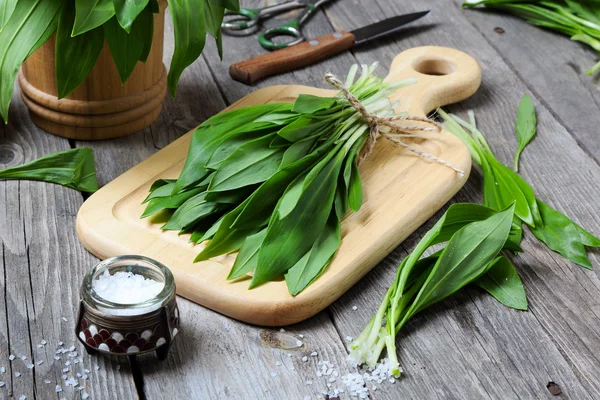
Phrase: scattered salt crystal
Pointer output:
(278, 363)
(298, 343)
(97, 367)
(64, 377)
(58, 388)
(65, 369)
(301, 336)
(392, 380)
(67, 363)
(2, 384)
(348, 338)
(39, 346)
(354, 308)
(305, 359)
(40, 362)
(313, 354)
(84, 395)
(60, 343)
(84, 376)
(57, 358)
(23, 358)
(80, 388)
(331, 379)
(43, 342)
(306, 397)
(22, 397)
(282, 330)
(64, 319)
(2, 370)
(290, 355)
(17, 374)
(46, 381)
(126, 287)
(78, 375)
(76, 361)
(11, 357)
(87, 371)
(273, 374)
(71, 382)
(72, 348)
(309, 382)
(30, 366)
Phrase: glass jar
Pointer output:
(128, 329)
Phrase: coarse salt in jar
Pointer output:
(128, 306)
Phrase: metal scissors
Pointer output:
(248, 18)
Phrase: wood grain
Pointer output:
(290, 58)
(467, 347)
(41, 267)
(102, 107)
(401, 192)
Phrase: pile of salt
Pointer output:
(126, 287)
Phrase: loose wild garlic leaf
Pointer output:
(503, 282)
(71, 168)
(6, 9)
(91, 14)
(525, 127)
(502, 185)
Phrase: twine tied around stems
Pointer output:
(395, 129)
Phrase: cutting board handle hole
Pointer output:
(434, 66)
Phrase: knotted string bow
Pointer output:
(395, 129)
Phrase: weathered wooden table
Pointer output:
(467, 347)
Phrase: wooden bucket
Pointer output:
(101, 107)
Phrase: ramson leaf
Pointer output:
(6, 9)
(71, 168)
(503, 282)
(127, 11)
(90, 14)
(525, 126)
(28, 23)
(189, 29)
(75, 55)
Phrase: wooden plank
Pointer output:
(469, 346)
(210, 346)
(42, 266)
(552, 67)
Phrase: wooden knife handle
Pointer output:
(291, 58)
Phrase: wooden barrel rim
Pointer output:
(50, 102)
(101, 133)
(94, 120)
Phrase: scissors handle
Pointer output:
(249, 17)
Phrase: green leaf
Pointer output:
(48, 33)
(127, 48)
(252, 163)
(6, 9)
(503, 282)
(247, 258)
(287, 240)
(314, 262)
(190, 212)
(210, 135)
(309, 104)
(157, 204)
(190, 36)
(465, 258)
(563, 236)
(90, 14)
(213, 15)
(28, 23)
(525, 126)
(71, 168)
(127, 11)
(355, 190)
(233, 5)
(75, 56)
(147, 36)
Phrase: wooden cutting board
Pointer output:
(401, 191)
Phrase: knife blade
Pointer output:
(312, 51)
